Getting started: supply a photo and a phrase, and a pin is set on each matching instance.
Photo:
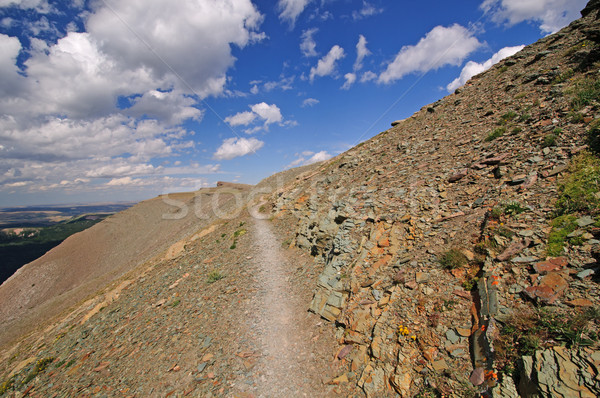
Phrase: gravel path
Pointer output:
(174, 331)
(281, 324)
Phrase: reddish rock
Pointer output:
(411, 285)
(430, 353)
(344, 351)
(451, 216)
(101, 366)
(554, 171)
(458, 273)
(512, 250)
(495, 159)
(554, 264)
(549, 289)
(458, 176)
(463, 294)
(580, 303)
(385, 242)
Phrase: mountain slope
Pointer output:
(469, 184)
(90, 260)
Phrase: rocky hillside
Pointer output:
(89, 261)
(454, 254)
(458, 245)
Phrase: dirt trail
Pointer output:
(175, 331)
(281, 324)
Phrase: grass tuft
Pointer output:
(214, 276)
(499, 132)
(453, 258)
(578, 191)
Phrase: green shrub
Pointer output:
(7, 385)
(586, 93)
(470, 284)
(593, 138)
(496, 212)
(576, 117)
(239, 232)
(562, 226)
(577, 192)
(508, 116)
(39, 367)
(214, 276)
(563, 77)
(453, 258)
(505, 232)
(549, 140)
(499, 132)
(513, 208)
(524, 117)
(526, 331)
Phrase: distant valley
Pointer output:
(27, 233)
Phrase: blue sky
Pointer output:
(124, 100)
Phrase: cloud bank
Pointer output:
(440, 47)
(473, 68)
(552, 15)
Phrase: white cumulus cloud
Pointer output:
(308, 44)
(361, 52)
(171, 107)
(269, 113)
(326, 65)
(309, 157)
(241, 118)
(121, 181)
(310, 102)
(193, 38)
(40, 6)
(291, 9)
(552, 15)
(473, 68)
(368, 76)
(108, 101)
(350, 79)
(236, 147)
(367, 10)
(11, 80)
(441, 46)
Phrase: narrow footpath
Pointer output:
(281, 325)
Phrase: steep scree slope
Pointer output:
(433, 234)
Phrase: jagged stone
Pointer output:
(549, 288)
(372, 381)
(559, 372)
